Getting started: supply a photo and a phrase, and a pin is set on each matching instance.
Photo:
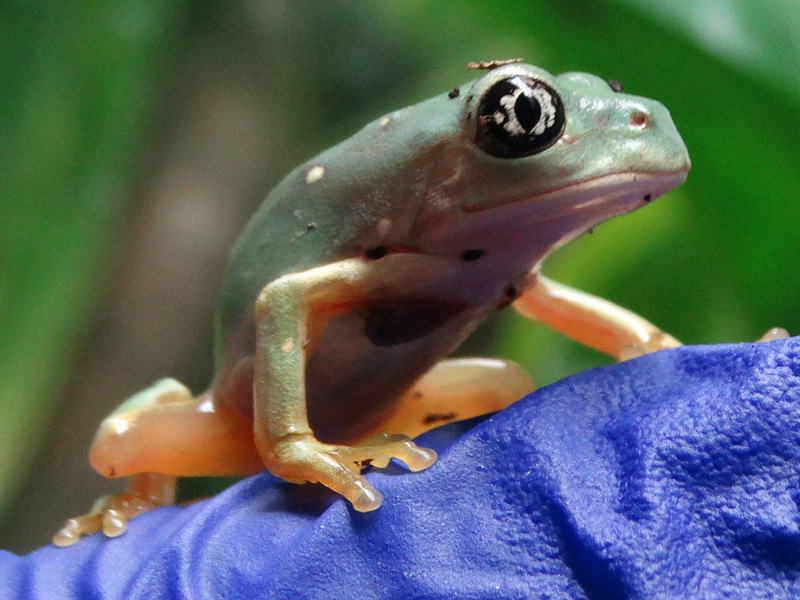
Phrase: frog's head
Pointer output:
(573, 146)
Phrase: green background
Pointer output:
(136, 137)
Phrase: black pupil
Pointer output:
(528, 111)
(519, 116)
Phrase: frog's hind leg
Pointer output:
(458, 389)
(453, 390)
(161, 433)
(162, 429)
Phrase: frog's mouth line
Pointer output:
(631, 189)
(635, 188)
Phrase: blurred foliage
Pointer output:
(710, 262)
(77, 87)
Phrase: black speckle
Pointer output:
(647, 197)
(376, 252)
(511, 291)
(615, 85)
(453, 93)
(590, 230)
(439, 418)
(406, 320)
(469, 115)
(472, 254)
(112, 472)
(311, 227)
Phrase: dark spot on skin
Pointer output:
(439, 418)
(416, 395)
(453, 93)
(406, 320)
(311, 227)
(511, 291)
(647, 197)
(376, 252)
(112, 472)
(615, 85)
(472, 254)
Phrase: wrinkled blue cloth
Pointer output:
(671, 476)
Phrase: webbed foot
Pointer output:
(110, 514)
(302, 458)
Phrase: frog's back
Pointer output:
(286, 235)
(280, 239)
(329, 209)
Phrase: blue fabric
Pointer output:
(671, 476)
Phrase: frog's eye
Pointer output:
(519, 116)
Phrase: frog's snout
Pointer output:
(667, 144)
(638, 132)
(685, 161)
(643, 134)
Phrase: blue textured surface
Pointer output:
(671, 476)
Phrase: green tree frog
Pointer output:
(368, 264)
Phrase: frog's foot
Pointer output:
(158, 434)
(382, 447)
(776, 333)
(302, 458)
(111, 514)
(659, 340)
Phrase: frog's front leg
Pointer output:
(291, 314)
(590, 320)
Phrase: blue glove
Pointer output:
(675, 475)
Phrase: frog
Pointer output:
(366, 266)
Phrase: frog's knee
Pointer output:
(116, 447)
(112, 448)
(164, 391)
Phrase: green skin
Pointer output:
(415, 183)
(365, 267)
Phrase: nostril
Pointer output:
(639, 119)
